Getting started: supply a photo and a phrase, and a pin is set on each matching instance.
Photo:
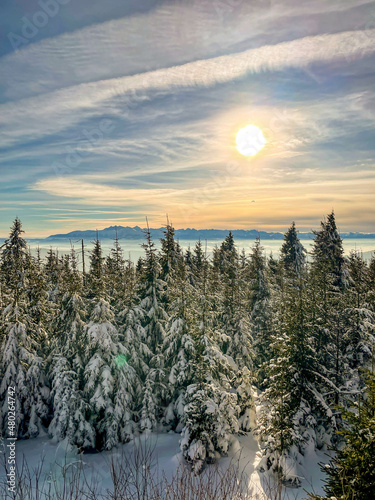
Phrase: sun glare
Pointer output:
(250, 140)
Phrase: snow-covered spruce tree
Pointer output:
(71, 412)
(154, 319)
(233, 316)
(370, 301)
(20, 366)
(178, 345)
(120, 278)
(215, 287)
(15, 352)
(328, 285)
(195, 260)
(40, 309)
(233, 322)
(133, 336)
(260, 305)
(286, 422)
(96, 278)
(188, 257)
(328, 249)
(292, 252)
(273, 268)
(211, 410)
(359, 315)
(52, 273)
(13, 261)
(351, 473)
(108, 378)
(170, 253)
(370, 298)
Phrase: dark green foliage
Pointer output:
(96, 276)
(351, 473)
(292, 251)
(190, 341)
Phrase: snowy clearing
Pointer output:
(166, 459)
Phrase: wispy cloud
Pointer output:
(177, 82)
(101, 194)
(170, 34)
(55, 111)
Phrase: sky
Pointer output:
(113, 111)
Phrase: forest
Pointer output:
(205, 346)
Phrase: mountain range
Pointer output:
(136, 233)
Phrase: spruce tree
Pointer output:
(286, 421)
(21, 368)
(351, 473)
(233, 323)
(359, 315)
(52, 272)
(292, 251)
(108, 378)
(211, 411)
(178, 345)
(154, 319)
(329, 282)
(260, 305)
(71, 412)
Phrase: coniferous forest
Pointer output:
(209, 347)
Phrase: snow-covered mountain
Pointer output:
(136, 232)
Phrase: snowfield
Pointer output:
(166, 458)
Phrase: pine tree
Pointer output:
(359, 316)
(71, 413)
(20, 366)
(233, 323)
(170, 253)
(328, 251)
(40, 309)
(234, 317)
(351, 473)
(290, 398)
(211, 411)
(52, 272)
(13, 261)
(292, 251)
(119, 276)
(329, 281)
(96, 277)
(178, 345)
(153, 317)
(108, 379)
(260, 305)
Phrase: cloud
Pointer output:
(164, 78)
(171, 34)
(55, 111)
(101, 194)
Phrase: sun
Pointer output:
(250, 140)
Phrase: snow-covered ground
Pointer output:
(166, 459)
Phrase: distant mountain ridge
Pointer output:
(136, 233)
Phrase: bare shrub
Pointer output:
(136, 476)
